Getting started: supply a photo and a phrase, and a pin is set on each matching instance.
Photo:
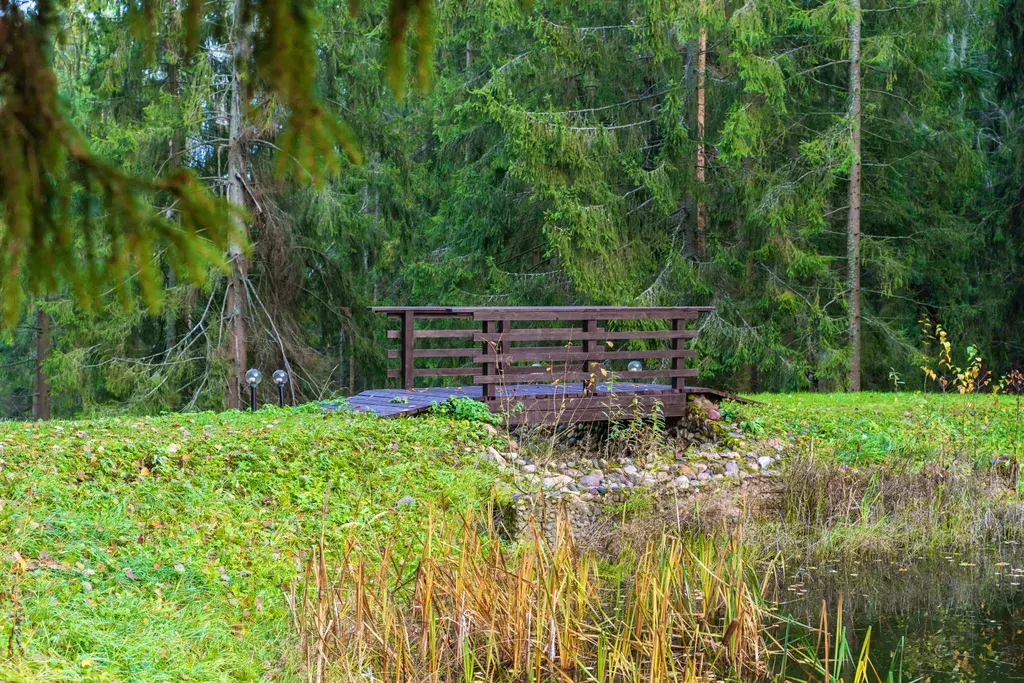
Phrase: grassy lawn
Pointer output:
(160, 549)
(896, 428)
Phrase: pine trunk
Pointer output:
(853, 217)
(174, 147)
(237, 300)
(41, 398)
(700, 246)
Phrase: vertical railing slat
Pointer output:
(408, 344)
(487, 367)
(678, 362)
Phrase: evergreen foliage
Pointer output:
(552, 161)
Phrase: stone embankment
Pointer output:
(588, 486)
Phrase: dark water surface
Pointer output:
(953, 618)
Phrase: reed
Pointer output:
(467, 608)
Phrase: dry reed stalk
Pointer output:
(476, 610)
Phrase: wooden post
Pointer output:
(408, 341)
(588, 346)
(678, 362)
(502, 326)
(487, 368)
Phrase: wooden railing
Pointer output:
(501, 346)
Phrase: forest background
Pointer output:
(837, 177)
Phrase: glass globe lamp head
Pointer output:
(635, 366)
(280, 377)
(253, 377)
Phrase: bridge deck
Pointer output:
(383, 403)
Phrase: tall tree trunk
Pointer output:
(237, 301)
(853, 217)
(174, 147)
(470, 57)
(700, 241)
(41, 398)
(687, 224)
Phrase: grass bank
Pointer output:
(889, 474)
(160, 549)
(908, 429)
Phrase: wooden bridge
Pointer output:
(542, 365)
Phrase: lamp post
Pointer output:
(280, 378)
(253, 378)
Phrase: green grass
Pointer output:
(897, 428)
(889, 474)
(159, 549)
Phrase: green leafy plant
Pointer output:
(463, 408)
(754, 426)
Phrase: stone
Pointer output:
(714, 415)
(764, 462)
(629, 470)
(687, 471)
(529, 469)
(681, 483)
(556, 482)
(405, 501)
(490, 429)
(732, 469)
(704, 476)
(493, 455)
(591, 480)
(648, 479)
(513, 446)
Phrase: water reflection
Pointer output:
(953, 618)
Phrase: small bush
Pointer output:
(463, 408)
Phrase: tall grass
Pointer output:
(467, 608)
(824, 508)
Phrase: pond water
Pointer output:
(953, 618)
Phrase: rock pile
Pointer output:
(586, 485)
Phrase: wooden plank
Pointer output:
(577, 334)
(502, 326)
(586, 376)
(487, 368)
(599, 401)
(589, 327)
(467, 371)
(528, 354)
(555, 313)
(537, 417)
(461, 310)
(439, 372)
(678, 362)
(436, 353)
(435, 334)
(421, 311)
(408, 363)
